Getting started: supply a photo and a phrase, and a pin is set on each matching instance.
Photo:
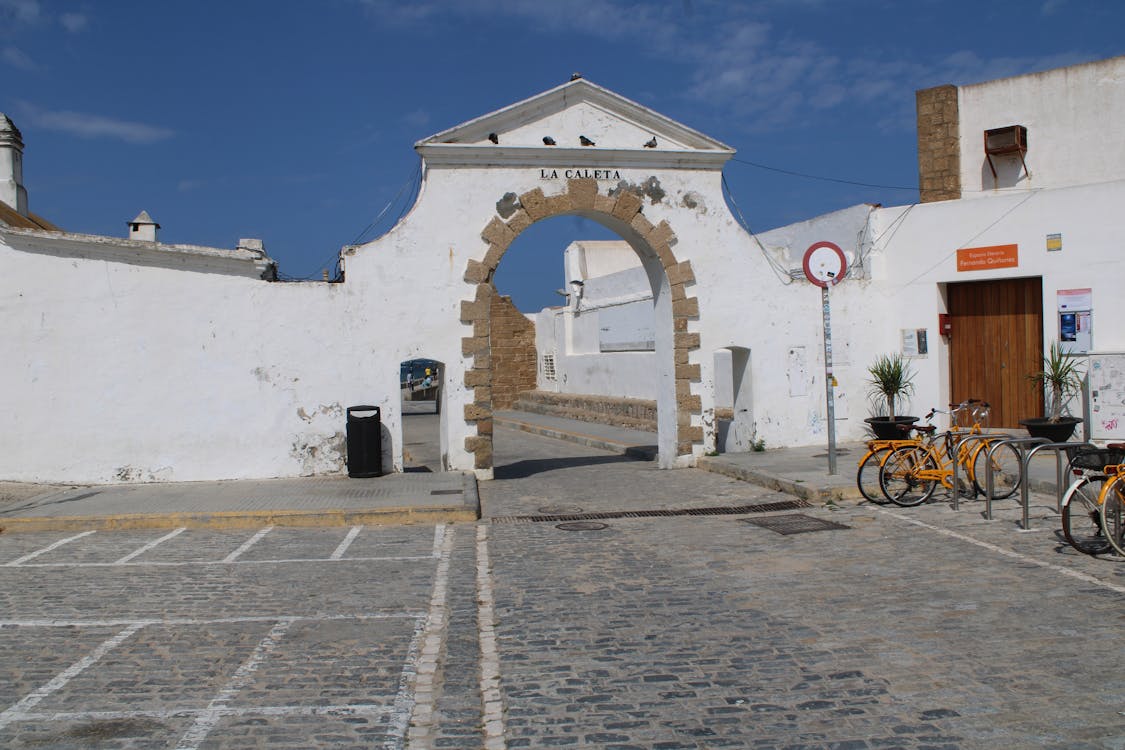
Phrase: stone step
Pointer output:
(637, 414)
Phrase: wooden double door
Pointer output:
(997, 340)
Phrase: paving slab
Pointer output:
(436, 497)
(799, 471)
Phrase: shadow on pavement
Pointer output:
(530, 467)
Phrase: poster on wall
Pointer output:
(1107, 396)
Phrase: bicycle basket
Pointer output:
(1096, 459)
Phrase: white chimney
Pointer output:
(143, 228)
(12, 191)
(253, 245)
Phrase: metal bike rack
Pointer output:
(1060, 489)
(1019, 443)
(957, 452)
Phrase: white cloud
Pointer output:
(20, 11)
(186, 186)
(417, 119)
(74, 22)
(86, 125)
(739, 63)
(17, 59)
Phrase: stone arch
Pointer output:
(623, 213)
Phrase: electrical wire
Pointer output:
(780, 271)
(821, 178)
(413, 182)
(964, 244)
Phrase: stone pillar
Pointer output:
(513, 352)
(939, 144)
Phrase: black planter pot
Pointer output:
(1056, 432)
(886, 429)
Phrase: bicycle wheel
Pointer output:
(1113, 512)
(1082, 517)
(1007, 471)
(899, 478)
(867, 476)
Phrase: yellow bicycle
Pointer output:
(909, 474)
(1083, 505)
(1112, 501)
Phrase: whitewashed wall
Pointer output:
(1073, 116)
(124, 372)
(127, 371)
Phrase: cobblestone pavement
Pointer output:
(910, 628)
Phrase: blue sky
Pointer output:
(294, 122)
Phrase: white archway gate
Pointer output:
(677, 405)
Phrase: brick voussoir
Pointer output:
(681, 273)
(474, 412)
(628, 205)
(661, 234)
(498, 233)
(520, 221)
(687, 340)
(686, 308)
(477, 272)
(582, 192)
(534, 203)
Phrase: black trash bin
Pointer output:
(365, 442)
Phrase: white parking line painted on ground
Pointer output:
(185, 563)
(247, 545)
(45, 550)
(439, 538)
(357, 709)
(492, 705)
(206, 721)
(415, 701)
(43, 623)
(150, 545)
(1007, 552)
(339, 552)
(18, 711)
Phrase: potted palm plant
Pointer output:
(1060, 379)
(892, 379)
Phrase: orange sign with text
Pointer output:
(985, 258)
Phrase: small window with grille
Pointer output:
(548, 363)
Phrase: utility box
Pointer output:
(365, 442)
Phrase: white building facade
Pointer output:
(132, 360)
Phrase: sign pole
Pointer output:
(824, 265)
(829, 382)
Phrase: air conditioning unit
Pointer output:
(1009, 140)
(1004, 141)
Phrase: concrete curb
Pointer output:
(642, 452)
(244, 519)
(803, 490)
(467, 510)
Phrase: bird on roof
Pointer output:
(548, 140)
(575, 76)
(651, 143)
(585, 141)
(493, 137)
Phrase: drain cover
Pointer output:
(794, 523)
(556, 510)
(582, 526)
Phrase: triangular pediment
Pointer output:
(584, 122)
